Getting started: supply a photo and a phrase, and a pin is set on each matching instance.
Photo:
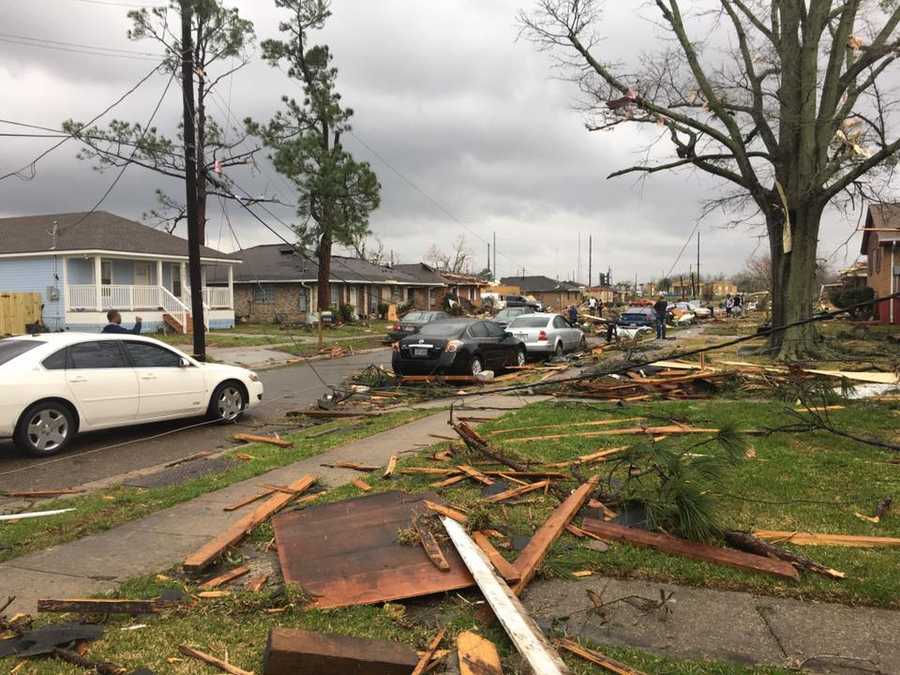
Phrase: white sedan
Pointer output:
(56, 385)
(546, 334)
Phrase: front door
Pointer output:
(166, 388)
(104, 385)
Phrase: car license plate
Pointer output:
(420, 352)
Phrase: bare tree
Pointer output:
(793, 116)
(457, 261)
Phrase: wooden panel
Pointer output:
(347, 553)
(299, 651)
(17, 310)
(477, 656)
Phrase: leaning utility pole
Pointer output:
(590, 260)
(699, 282)
(190, 181)
(496, 276)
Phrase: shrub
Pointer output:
(382, 310)
(844, 297)
(347, 313)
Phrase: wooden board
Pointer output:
(501, 564)
(291, 651)
(224, 578)
(271, 440)
(813, 539)
(477, 656)
(347, 553)
(18, 310)
(690, 549)
(517, 492)
(98, 606)
(601, 660)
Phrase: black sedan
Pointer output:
(412, 322)
(457, 346)
(637, 317)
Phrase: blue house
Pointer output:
(84, 264)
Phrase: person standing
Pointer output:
(660, 308)
(115, 324)
(573, 315)
(729, 305)
(600, 308)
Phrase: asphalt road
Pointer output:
(91, 457)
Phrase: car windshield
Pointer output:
(529, 322)
(443, 329)
(10, 349)
(634, 316)
(416, 316)
(510, 313)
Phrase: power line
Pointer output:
(110, 3)
(88, 50)
(681, 252)
(41, 41)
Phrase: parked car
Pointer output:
(546, 334)
(521, 301)
(457, 346)
(637, 317)
(506, 315)
(56, 385)
(699, 310)
(412, 322)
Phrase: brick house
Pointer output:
(277, 284)
(431, 294)
(554, 294)
(879, 245)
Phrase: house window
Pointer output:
(106, 273)
(303, 301)
(335, 295)
(395, 294)
(264, 295)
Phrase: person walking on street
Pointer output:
(573, 315)
(660, 308)
(115, 324)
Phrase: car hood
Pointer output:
(225, 370)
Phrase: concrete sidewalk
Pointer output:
(99, 562)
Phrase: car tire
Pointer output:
(476, 367)
(560, 350)
(228, 402)
(45, 429)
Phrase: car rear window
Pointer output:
(529, 322)
(634, 317)
(416, 316)
(443, 329)
(511, 312)
(10, 349)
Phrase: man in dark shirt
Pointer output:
(660, 308)
(115, 324)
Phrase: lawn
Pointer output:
(104, 509)
(312, 348)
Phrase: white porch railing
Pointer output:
(217, 298)
(132, 298)
(175, 307)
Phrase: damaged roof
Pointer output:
(539, 284)
(884, 216)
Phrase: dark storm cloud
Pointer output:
(444, 92)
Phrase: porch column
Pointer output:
(65, 283)
(231, 286)
(183, 276)
(98, 281)
(159, 281)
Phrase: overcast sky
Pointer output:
(443, 92)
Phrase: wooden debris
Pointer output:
(534, 553)
(73, 657)
(653, 431)
(256, 583)
(527, 474)
(690, 549)
(415, 379)
(365, 468)
(243, 456)
(582, 573)
(814, 539)
(249, 500)
(568, 425)
(449, 481)
(880, 510)
(361, 484)
(477, 656)
(292, 651)
(504, 568)
(425, 659)
(599, 456)
(213, 595)
(747, 542)
(224, 666)
(608, 513)
(431, 547)
(271, 440)
(428, 470)
(458, 516)
(517, 492)
(521, 628)
(42, 494)
(209, 552)
(333, 413)
(224, 578)
(596, 657)
(391, 467)
(98, 606)
(472, 472)
(11, 517)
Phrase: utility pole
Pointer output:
(190, 181)
(496, 276)
(699, 287)
(578, 263)
(489, 260)
(590, 260)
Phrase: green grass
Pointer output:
(222, 339)
(105, 509)
(312, 349)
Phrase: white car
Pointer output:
(56, 385)
(546, 334)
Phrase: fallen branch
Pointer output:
(224, 666)
(747, 542)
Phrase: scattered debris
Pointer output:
(224, 666)
(256, 583)
(880, 510)
(596, 657)
(747, 542)
(32, 514)
(425, 659)
(271, 440)
(477, 656)
(457, 515)
(365, 468)
(391, 467)
(47, 638)
(224, 578)
(101, 667)
(361, 484)
(332, 413)
(815, 539)
(98, 606)
(517, 492)
(505, 568)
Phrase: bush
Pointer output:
(844, 297)
(347, 313)
(382, 310)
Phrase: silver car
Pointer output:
(546, 334)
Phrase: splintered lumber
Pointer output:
(475, 442)
(877, 378)
(534, 553)
(747, 542)
(596, 657)
(472, 472)
(690, 549)
(527, 474)
(431, 470)
(477, 656)
(431, 547)
(517, 492)
(271, 440)
(653, 431)
(249, 500)
(361, 484)
(334, 413)
(231, 536)
(222, 579)
(292, 651)
(391, 467)
(450, 481)
(813, 539)
(365, 468)
(224, 666)
(599, 456)
(97, 606)
(428, 654)
(593, 423)
(458, 516)
(256, 583)
(521, 628)
(501, 564)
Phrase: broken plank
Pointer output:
(477, 656)
(249, 500)
(271, 440)
(458, 516)
(501, 564)
(600, 659)
(391, 467)
(41, 494)
(361, 484)
(517, 492)
(291, 651)
(472, 472)
(593, 423)
(814, 539)
(97, 606)
(450, 481)
(431, 547)
(527, 474)
(429, 470)
(599, 456)
(208, 659)
(365, 468)
(672, 429)
(534, 553)
(233, 534)
(425, 659)
(521, 628)
(690, 549)
(222, 579)
(256, 583)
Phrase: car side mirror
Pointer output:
(184, 363)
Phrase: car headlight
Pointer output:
(253, 377)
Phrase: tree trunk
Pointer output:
(324, 255)
(794, 283)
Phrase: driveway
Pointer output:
(92, 457)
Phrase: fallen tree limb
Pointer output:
(747, 542)
(224, 666)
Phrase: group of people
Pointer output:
(734, 304)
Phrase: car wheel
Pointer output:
(227, 403)
(520, 357)
(560, 350)
(45, 429)
(582, 344)
(475, 366)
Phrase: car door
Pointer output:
(486, 345)
(103, 384)
(167, 389)
(504, 344)
(567, 332)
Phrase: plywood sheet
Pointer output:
(347, 553)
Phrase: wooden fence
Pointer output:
(17, 310)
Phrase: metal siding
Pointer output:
(35, 275)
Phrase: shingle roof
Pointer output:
(279, 262)
(538, 284)
(881, 216)
(86, 231)
(421, 272)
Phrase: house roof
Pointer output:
(280, 263)
(539, 284)
(421, 272)
(462, 279)
(881, 216)
(92, 231)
